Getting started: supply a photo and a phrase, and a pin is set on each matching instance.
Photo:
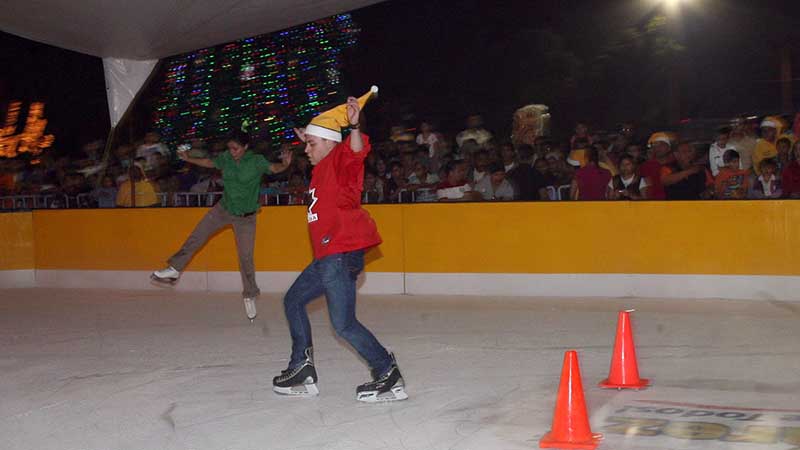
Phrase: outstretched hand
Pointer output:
(353, 110)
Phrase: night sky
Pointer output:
(442, 60)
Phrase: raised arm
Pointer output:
(677, 177)
(286, 161)
(202, 162)
(353, 116)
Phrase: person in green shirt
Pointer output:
(241, 176)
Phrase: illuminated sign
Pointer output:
(32, 138)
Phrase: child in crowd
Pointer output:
(373, 188)
(494, 186)
(106, 194)
(627, 185)
(581, 139)
(768, 184)
(455, 186)
(732, 182)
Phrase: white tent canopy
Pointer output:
(132, 35)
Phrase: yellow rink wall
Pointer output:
(737, 249)
(16, 241)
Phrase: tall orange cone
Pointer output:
(570, 422)
(624, 373)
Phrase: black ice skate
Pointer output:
(166, 277)
(300, 381)
(387, 388)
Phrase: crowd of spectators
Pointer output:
(747, 159)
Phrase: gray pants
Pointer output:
(244, 228)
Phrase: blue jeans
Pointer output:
(335, 276)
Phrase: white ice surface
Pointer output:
(135, 370)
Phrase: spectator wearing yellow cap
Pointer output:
(660, 145)
(771, 127)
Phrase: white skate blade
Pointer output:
(162, 282)
(250, 309)
(396, 394)
(301, 390)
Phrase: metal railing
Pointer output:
(558, 193)
(208, 199)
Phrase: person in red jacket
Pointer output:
(340, 233)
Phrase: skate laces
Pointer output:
(291, 372)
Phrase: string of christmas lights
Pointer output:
(263, 81)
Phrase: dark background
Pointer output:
(599, 61)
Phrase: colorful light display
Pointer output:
(265, 81)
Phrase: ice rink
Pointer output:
(152, 370)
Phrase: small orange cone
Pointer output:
(570, 422)
(624, 373)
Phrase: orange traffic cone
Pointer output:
(624, 372)
(570, 423)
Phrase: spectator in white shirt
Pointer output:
(455, 187)
(428, 138)
(481, 162)
(718, 148)
(474, 131)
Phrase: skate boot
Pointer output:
(388, 387)
(166, 276)
(250, 308)
(300, 381)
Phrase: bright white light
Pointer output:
(674, 5)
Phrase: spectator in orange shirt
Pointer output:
(732, 182)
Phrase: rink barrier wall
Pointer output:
(741, 249)
(17, 255)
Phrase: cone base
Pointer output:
(549, 441)
(642, 384)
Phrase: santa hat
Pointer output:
(329, 124)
